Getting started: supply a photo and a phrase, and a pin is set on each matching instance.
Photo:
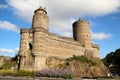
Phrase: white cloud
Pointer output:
(101, 36)
(3, 6)
(61, 12)
(17, 49)
(63, 28)
(61, 8)
(9, 26)
(24, 8)
(82, 7)
(6, 50)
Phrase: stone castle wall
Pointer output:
(62, 48)
(65, 47)
(56, 43)
(51, 45)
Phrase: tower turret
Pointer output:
(40, 19)
(81, 32)
(40, 26)
(24, 41)
(23, 45)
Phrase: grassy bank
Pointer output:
(42, 73)
(15, 73)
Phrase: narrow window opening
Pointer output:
(30, 46)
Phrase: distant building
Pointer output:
(38, 46)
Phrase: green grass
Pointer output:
(82, 59)
(20, 73)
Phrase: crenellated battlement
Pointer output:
(40, 19)
(30, 30)
(41, 9)
(83, 21)
(24, 31)
(95, 46)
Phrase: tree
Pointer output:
(114, 59)
(9, 63)
(110, 58)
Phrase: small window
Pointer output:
(30, 46)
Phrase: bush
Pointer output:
(57, 73)
(8, 64)
(82, 59)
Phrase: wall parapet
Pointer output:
(95, 46)
(25, 30)
(56, 37)
(63, 39)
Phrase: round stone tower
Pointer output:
(23, 45)
(24, 41)
(40, 27)
(81, 32)
(40, 18)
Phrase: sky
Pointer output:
(103, 15)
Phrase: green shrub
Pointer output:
(81, 59)
(8, 64)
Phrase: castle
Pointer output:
(38, 46)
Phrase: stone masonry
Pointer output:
(38, 45)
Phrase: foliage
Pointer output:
(104, 61)
(20, 73)
(112, 58)
(82, 59)
(8, 64)
(15, 58)
(57, 73)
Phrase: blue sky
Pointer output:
(103, 15)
